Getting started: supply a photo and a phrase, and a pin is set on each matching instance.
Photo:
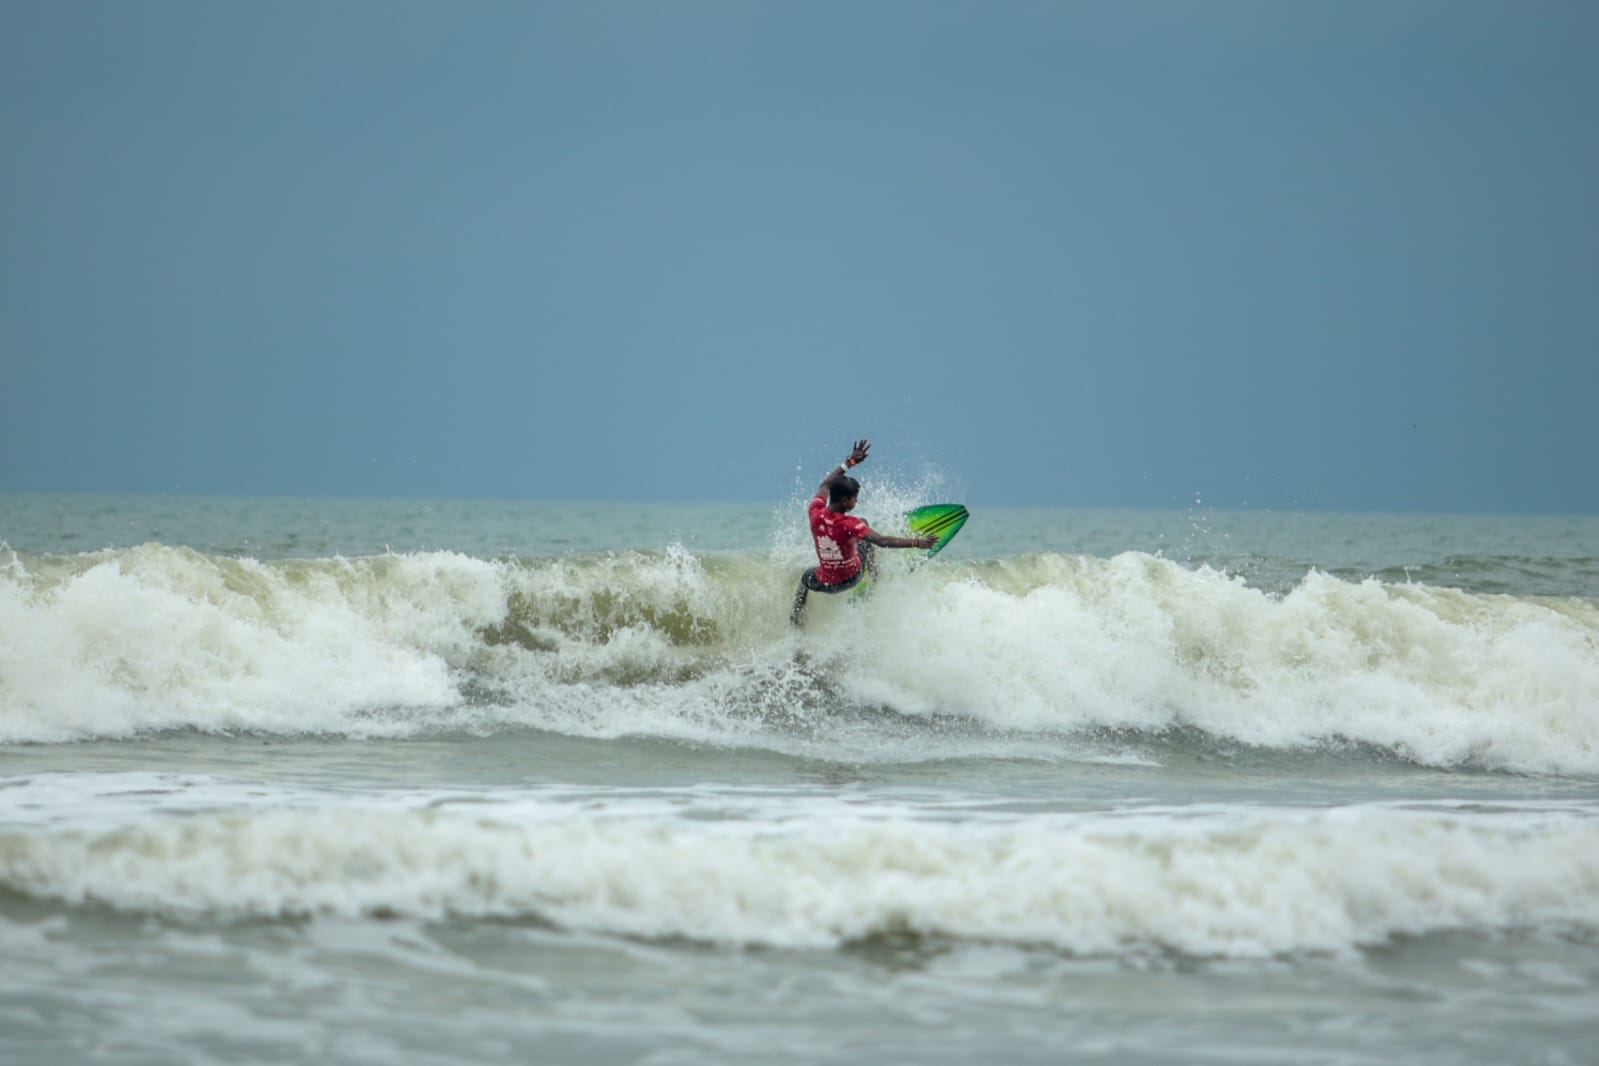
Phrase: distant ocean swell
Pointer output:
(116, 643)
(1232, 884)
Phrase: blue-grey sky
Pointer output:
(1316, 254)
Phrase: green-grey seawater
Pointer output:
(474, 781)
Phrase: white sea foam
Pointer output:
(157, 637)
(1219, 883)
(151, 638)
(1136, 642)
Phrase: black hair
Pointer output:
(842, 488)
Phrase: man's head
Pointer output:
(842, 493)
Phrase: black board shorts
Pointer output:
(868, 566)
(808, 579)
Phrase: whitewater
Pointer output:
(454, 781)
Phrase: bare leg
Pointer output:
(797, 615)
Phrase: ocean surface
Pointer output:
(448, 782)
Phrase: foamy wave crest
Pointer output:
(1237, 884)
(154, 638)
(671, 643)
(1442, 677)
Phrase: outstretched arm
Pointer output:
(857, 456)
(883, 541)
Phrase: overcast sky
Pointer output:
(1314, 255)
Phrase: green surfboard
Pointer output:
(941, 520)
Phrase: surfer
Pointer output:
(845, 545)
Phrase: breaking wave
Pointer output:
(124, 642)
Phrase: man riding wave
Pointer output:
(844, 544)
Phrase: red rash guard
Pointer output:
(837, 542)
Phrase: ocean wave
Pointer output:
(1501, 574)
(119, 643)
(1234, 883)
